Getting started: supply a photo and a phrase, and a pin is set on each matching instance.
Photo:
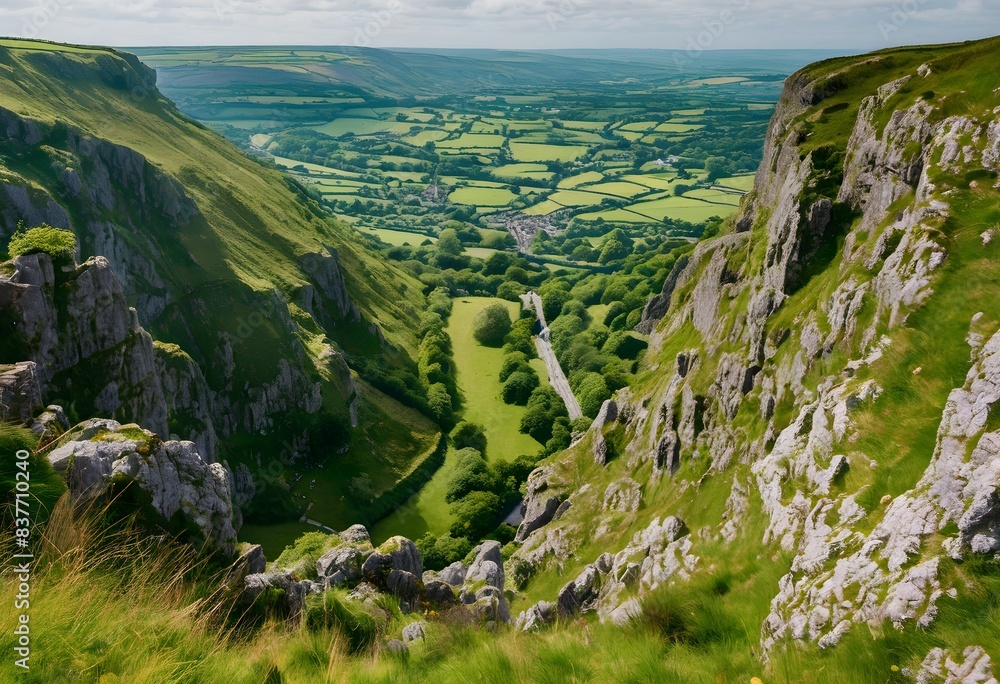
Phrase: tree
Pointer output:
(468, 435)
(475, 515)
(448, 242)
(471, 474)
(592, 391)
(439, 401)
(519, 386)
(440, 552)
(544, 406)
(612, 251)
(491, 325)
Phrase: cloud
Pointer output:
(503, 23)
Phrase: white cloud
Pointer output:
(850, 24)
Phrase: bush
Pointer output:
(471, 474)
(440, 552)
(476, 515)
(492, 325)
(519, 386)
(514, 362)
(592, 391)
(520, 338)
(440, 404)
(544, 406)
(57, 243)
(301, 555)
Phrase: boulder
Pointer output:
(106, 456)
(581, 594)
(355, 534)
(488, 566)
(539, 615)
(438, 593)
(454, 574)
(406, 588)
(345, 559)
(398, 553)
(414, 631)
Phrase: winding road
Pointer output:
(557, 378)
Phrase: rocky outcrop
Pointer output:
(791, 331)
(90, 353)
(483, 589)
(102, 458)
(20, 392)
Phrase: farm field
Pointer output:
(653, 161)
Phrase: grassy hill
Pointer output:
(222, 257)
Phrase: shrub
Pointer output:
(469, 436)
(57, 243)
(491, 325)
(544, 406)
(476, 514)
(440, 552)
(519, 386)
(301, 555)
(471, 474)
(592, 391)
(513, 362)
(440, 404)
(520, 338)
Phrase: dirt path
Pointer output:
(556, 376)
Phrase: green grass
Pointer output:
(483, 197)
(534, 152)
(479, 383)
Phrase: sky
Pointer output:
(856, 25)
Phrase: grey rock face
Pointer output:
(623, 495)
(538, 616)
(20, 392)
(356, 534)
(539, 504)
(173, 475)
(454, 574)
(345, 559)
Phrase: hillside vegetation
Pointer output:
(265, 309)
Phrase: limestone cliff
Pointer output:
(800, 367)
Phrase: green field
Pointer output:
(483, 197)
(535, 152)
(478, 379)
